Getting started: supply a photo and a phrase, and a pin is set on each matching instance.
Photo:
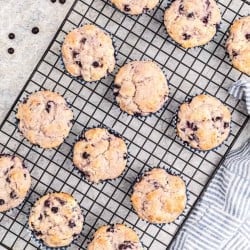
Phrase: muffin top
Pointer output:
(88, 52)
(159, 197)
(45, 119)
(192, 23)
(204, 122)
(56, 219)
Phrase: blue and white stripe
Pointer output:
(221, 218)
(241, 90)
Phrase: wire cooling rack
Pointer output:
(152, 140)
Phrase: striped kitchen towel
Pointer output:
(221, 218)
(241, 90)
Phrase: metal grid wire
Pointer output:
(152, 140)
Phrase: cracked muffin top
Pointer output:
(140, 88)
(192, 23)
(238, 44)
(100, 155)
(88, 52)
(45, 119)
(204, 122)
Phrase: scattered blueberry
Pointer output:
(62, 1)
(11, 36)
(11, 50)
(2, 202)
(35, 30)
(53, 1)
(248, 36)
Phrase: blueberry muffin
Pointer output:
(15, 182)
(88, 52)
(238, 44)
(159, 197)
(192, 23)
(140, 88)
(56, 219)
(100, 155)
(204, 122)
(45, 119)
(134, 7)
(115, 237)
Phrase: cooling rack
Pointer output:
(151, 140)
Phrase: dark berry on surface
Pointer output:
(11, 36)
(248, 37)
(2, 202)
(11, 50)
(35, 30)
(62, 1)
